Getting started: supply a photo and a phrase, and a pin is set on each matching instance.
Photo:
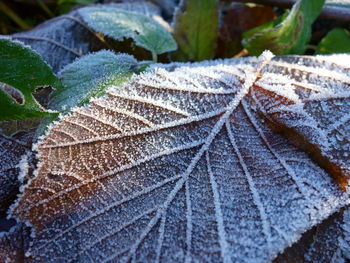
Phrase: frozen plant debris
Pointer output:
(219, 162)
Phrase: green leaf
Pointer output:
(120, 24)
(196, 26)
(89, 76)
(336, 41)
(22, 70)
(286, 35)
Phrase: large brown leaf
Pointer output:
(215, 161)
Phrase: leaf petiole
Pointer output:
(154, 56)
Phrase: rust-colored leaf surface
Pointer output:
(194, 162)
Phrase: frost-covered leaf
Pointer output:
(11, 151)
(345, 239)
(195, 30)
(183, 163)
(167, 7)
(89, 76)
(141, 24)
(10, 128)
(336, 41)
(286, 35)
(64, 38)
(332, 242)
(61, 40)
(320, 122)
(327, 242)
(13, 244)
(22, 71)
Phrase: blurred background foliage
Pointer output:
(233, 19)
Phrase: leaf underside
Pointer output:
(214, 161)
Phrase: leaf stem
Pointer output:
(11, 14)
(242, 53)
(154, 56)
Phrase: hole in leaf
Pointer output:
(54, 177)
(42, 95)
(14, 93)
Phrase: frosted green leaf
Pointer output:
(89, 76)
(193, 162)
(286, 35)
(144, 28)
(22, 71)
